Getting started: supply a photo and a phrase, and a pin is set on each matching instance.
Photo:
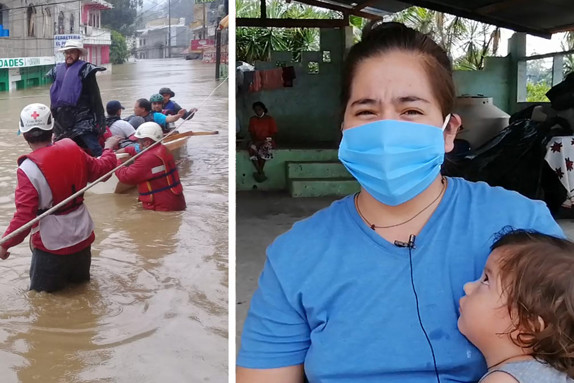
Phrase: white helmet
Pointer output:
(149, 130)
(36, 116)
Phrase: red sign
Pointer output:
(200, 44)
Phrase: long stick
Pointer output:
(102, 178)
(191, 133)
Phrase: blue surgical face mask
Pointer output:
(394, 161)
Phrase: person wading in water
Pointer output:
(61, 242)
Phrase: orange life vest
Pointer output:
(164, 177)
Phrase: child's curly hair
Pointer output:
(537, 274)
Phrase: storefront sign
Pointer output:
(60, 41)
(21, 62)
(199, 44)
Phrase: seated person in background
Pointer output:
(262, 129)
(170, 107)
(154, 172)
(114, 122)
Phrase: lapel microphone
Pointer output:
(410, 244)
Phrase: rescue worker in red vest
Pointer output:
(51, 173)
(154, 172)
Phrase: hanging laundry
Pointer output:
(272, 79)
(288, 76)
(257, 83)
(248, 78)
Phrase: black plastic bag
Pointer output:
(514, 159)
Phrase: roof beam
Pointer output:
(291, 23)
(339, 8)
(498, 6)
(489, 19)
(562, 28)
(364, 4)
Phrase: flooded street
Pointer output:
(156, 307)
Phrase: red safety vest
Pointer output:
(166, 179)
(64, 167)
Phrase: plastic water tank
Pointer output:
(481, 119)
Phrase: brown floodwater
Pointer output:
(156, 307)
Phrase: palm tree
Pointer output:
(568, 44)
(466, 42)
(479, 41)
(256, 44)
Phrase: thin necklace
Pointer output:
(373, 226)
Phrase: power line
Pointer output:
(39, 5)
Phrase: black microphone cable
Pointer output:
(411, 245)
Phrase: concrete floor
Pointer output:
(262, 216)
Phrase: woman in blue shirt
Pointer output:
(367, 289)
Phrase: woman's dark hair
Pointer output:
(37, 135)
(380, 37)
(537, 276)
(144, 103)
(260, 104)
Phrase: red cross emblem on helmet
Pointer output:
(35, 115)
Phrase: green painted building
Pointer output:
(308, 114)
(24, 72)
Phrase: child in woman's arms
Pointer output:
(520, 313)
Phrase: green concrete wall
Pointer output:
(307, 114)
(276, 169)
(4, 80)
(492, 81)
(34, 76)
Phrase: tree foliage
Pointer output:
(256, 44)
(537, 92)
(119, 50)
(568, 44)
(122, 16)
(466, 42)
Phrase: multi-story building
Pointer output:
(31, 34)
(96, 39)
(153, 41)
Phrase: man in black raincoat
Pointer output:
(75, 100)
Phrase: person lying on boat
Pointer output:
(115, 126)
(142, 108)
(170, 107)
(114, 122)
(154, 172)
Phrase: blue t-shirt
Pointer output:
(337, 297)
(159, 118)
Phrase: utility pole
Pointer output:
(217, 48)
(204, 20)
(169, 28)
